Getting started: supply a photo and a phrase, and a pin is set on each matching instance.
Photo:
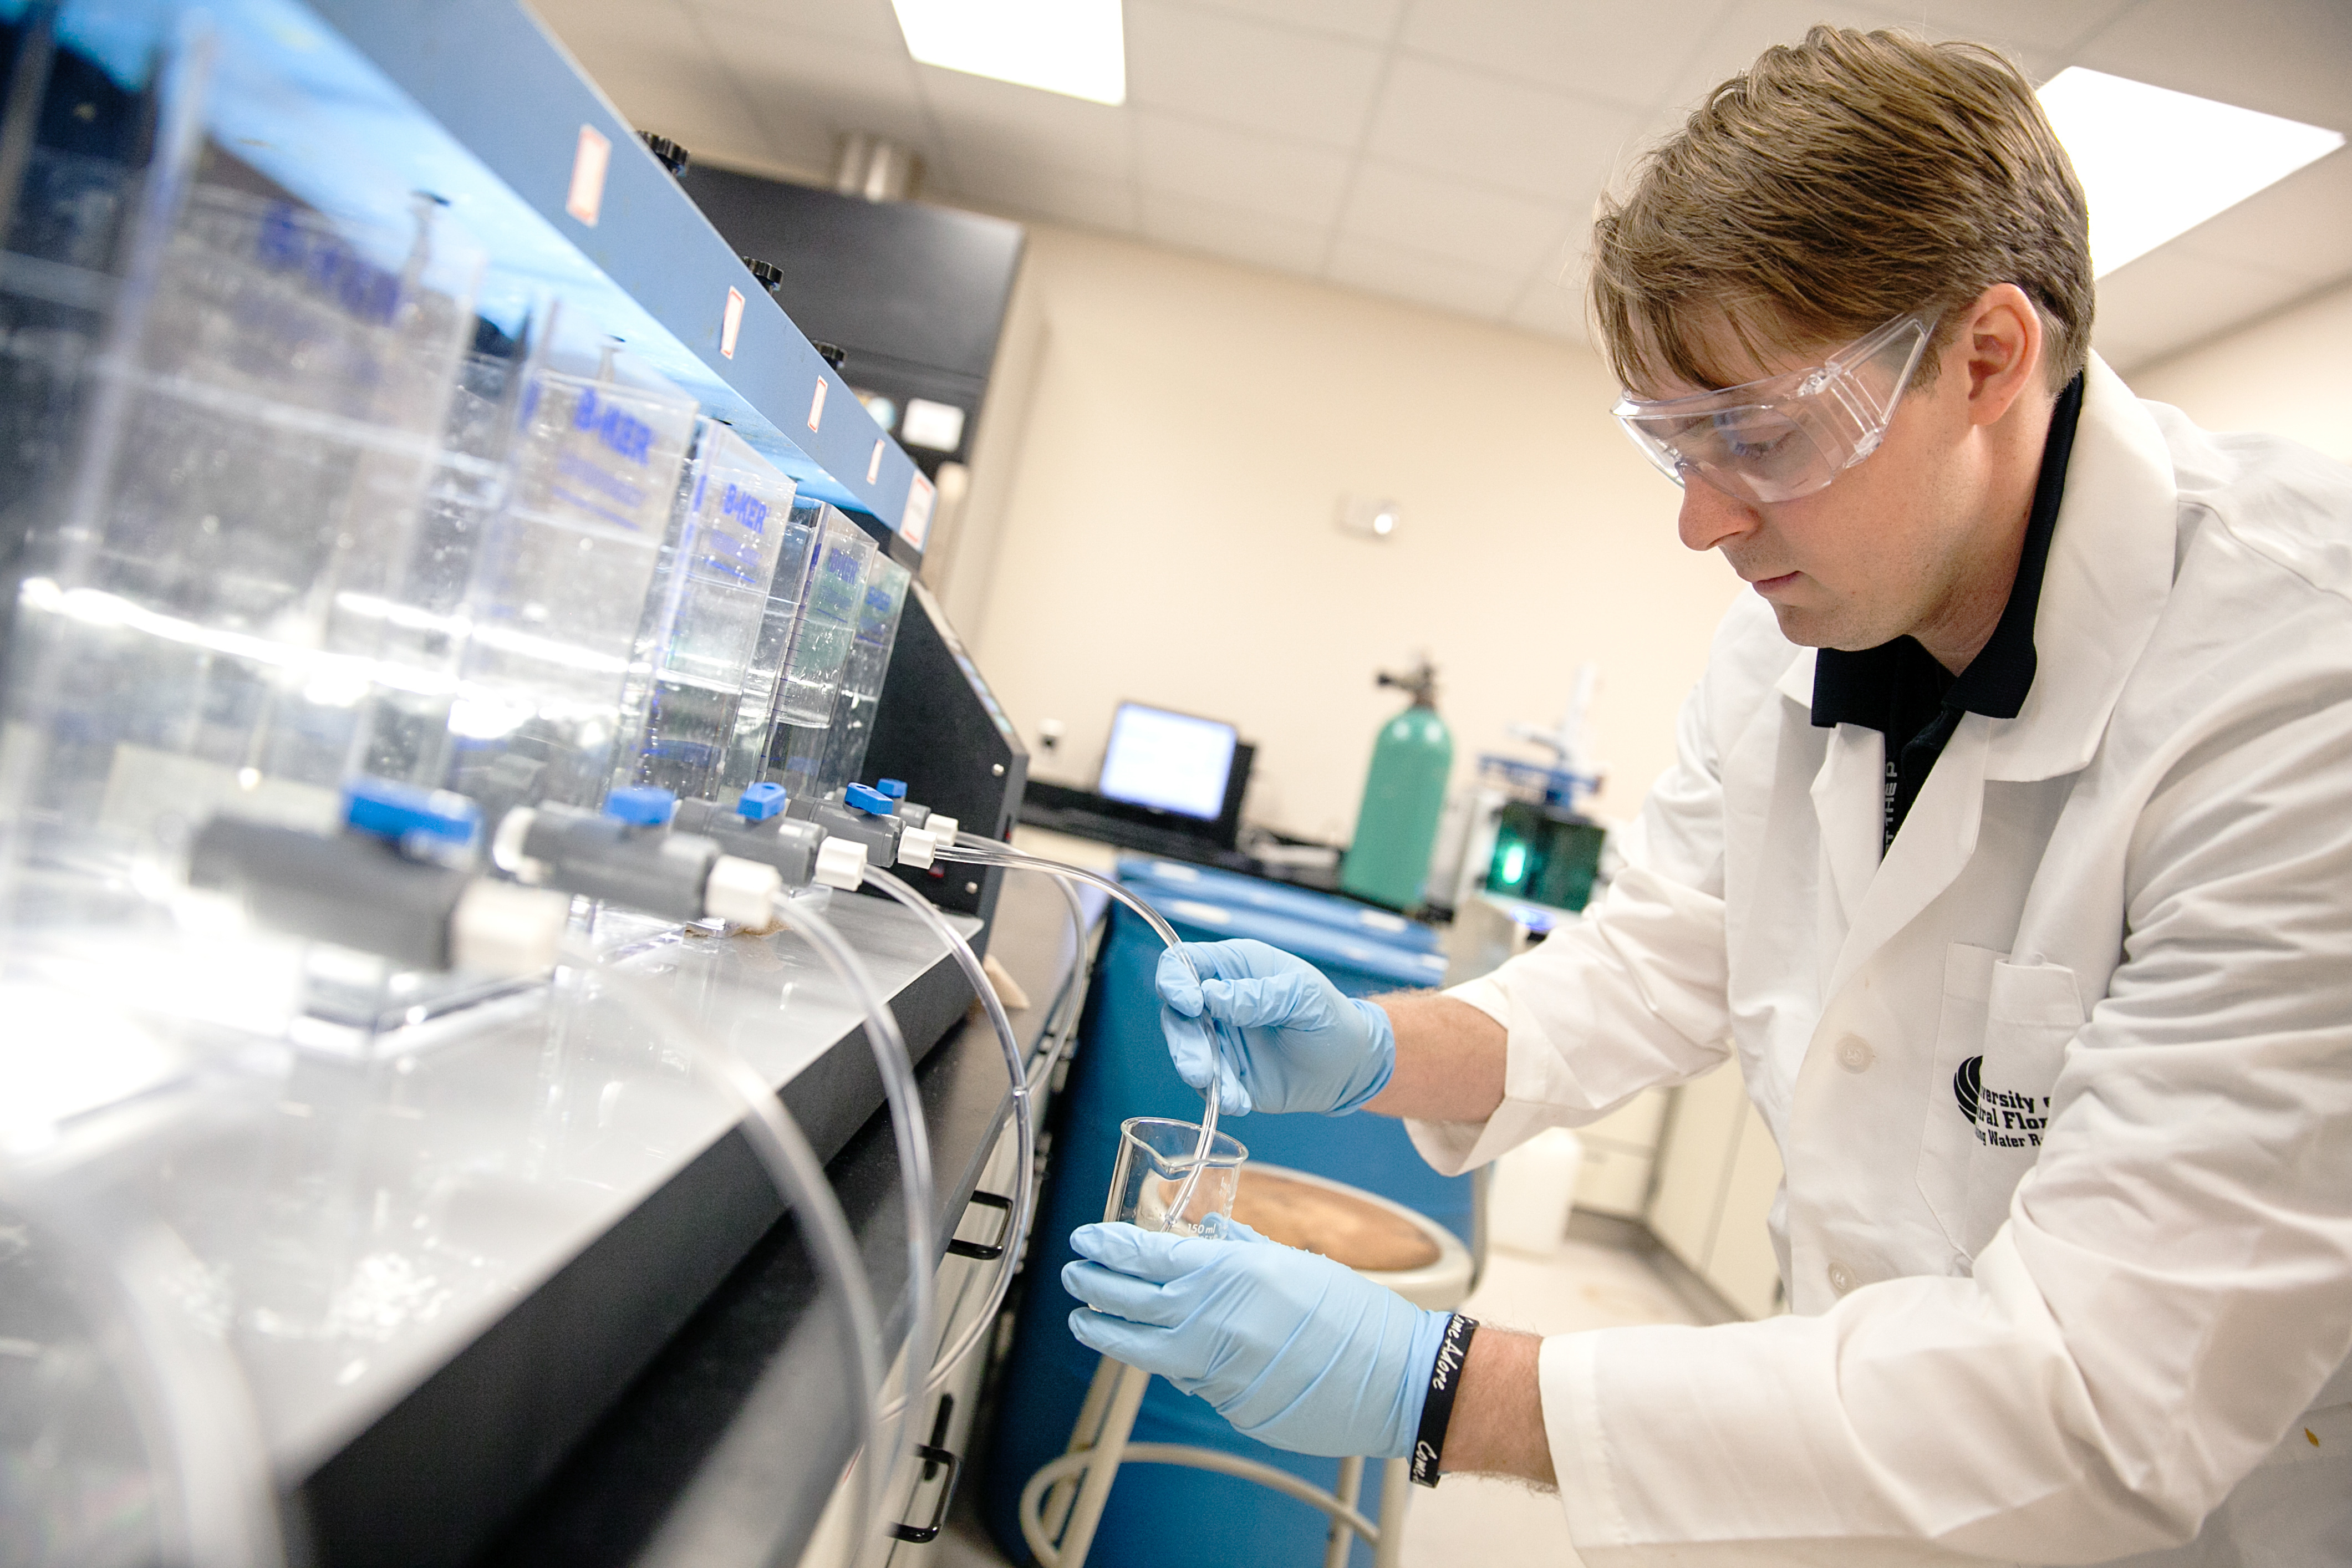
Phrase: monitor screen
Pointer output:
(1170, 762)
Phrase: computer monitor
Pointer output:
(1168, 762)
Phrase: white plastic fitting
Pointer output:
(506, 846)
(943, 828)
(501, 929)
(840, 863)
(916, 846)
(743, 892)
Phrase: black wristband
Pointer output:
(1437, 1410)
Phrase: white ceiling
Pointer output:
(1444, 152)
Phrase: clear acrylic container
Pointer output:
(472, 477)
(747, 751)
(862, 675)
(702, 623)
(559, 588)
(205, 622)
(808, 679)
(1155, 1156)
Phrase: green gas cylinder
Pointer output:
(1404, 796)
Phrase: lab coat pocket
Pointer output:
(2033, 1011)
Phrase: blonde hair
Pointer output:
(1839, 184)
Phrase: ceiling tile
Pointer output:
(1371, 20)
(1751, 26)
(1553, 304)
(1062, 195)
(1468, 125)
(1217, 164)
(1247, 74)
(2171, 298)
(994, 122)
(1615, 52)
(1425, 281)
(2282, 57)
(564, 17)
(2042, 27)
(1252, 238)
(868, 22)
(1413, 211)
(805, 92)
(2301, 226)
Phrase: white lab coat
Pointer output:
(2113, 1313)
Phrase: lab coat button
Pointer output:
(1841, 1279)
(1854, 1055)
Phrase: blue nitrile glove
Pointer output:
(1304, 1047)
(1293, 1349)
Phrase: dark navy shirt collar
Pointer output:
(1866, 687)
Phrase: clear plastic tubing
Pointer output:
(974, 849)
(799, 1176)
(1059, 1036)
(1025, 1182)
(889, 1047)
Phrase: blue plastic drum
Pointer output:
(1161, 1516)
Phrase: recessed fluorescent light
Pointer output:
(1073, 47)
(2156, 164)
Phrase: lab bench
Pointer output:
(510, 1286)
(729, 1446)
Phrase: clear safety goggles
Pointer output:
(1790, 435)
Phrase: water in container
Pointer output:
(747, 749)
(560, 584)
(845, 739)
(465, 497)
(703, 620)
(63, 201)
(1155, 1166)
(207, 627)
(808, 679)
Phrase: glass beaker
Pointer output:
(1155, 1155)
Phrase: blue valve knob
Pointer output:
(641, 805)
(385, 808)
(873, 802)
(760, 801)
(895, 788)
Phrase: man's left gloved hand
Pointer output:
(1293, 1349)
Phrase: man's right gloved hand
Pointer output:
(1304, 1047)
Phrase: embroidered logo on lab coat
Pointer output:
(1997, 1117)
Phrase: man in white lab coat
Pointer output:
(2010, 852)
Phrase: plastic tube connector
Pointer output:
(503, 930)
(506, 848)
(879, 835)
(654, 870)
(943, 827)
(783, 842)
(357, 890)
(743, 892)
(916, 847)
(840, 863)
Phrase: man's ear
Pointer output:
(1999, 342)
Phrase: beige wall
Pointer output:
(2287, 375)
(1160, 526)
